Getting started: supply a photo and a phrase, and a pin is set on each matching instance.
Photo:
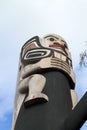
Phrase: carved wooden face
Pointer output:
(36, 49)
(55, 42)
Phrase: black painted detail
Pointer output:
(51, 36)
(35, 39)
(52, 39)
(35, 55)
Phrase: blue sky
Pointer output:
(22, 19)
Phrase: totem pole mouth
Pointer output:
(57, 45)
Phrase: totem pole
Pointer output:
(45, 94)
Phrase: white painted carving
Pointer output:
(36, 85)
(33, 87)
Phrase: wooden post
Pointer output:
(45, 95)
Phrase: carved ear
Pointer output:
(74, 98)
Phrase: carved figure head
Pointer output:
(51, 51)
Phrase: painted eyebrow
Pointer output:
(51, 36)
(63, 41)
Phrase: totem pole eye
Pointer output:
(51, 39)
